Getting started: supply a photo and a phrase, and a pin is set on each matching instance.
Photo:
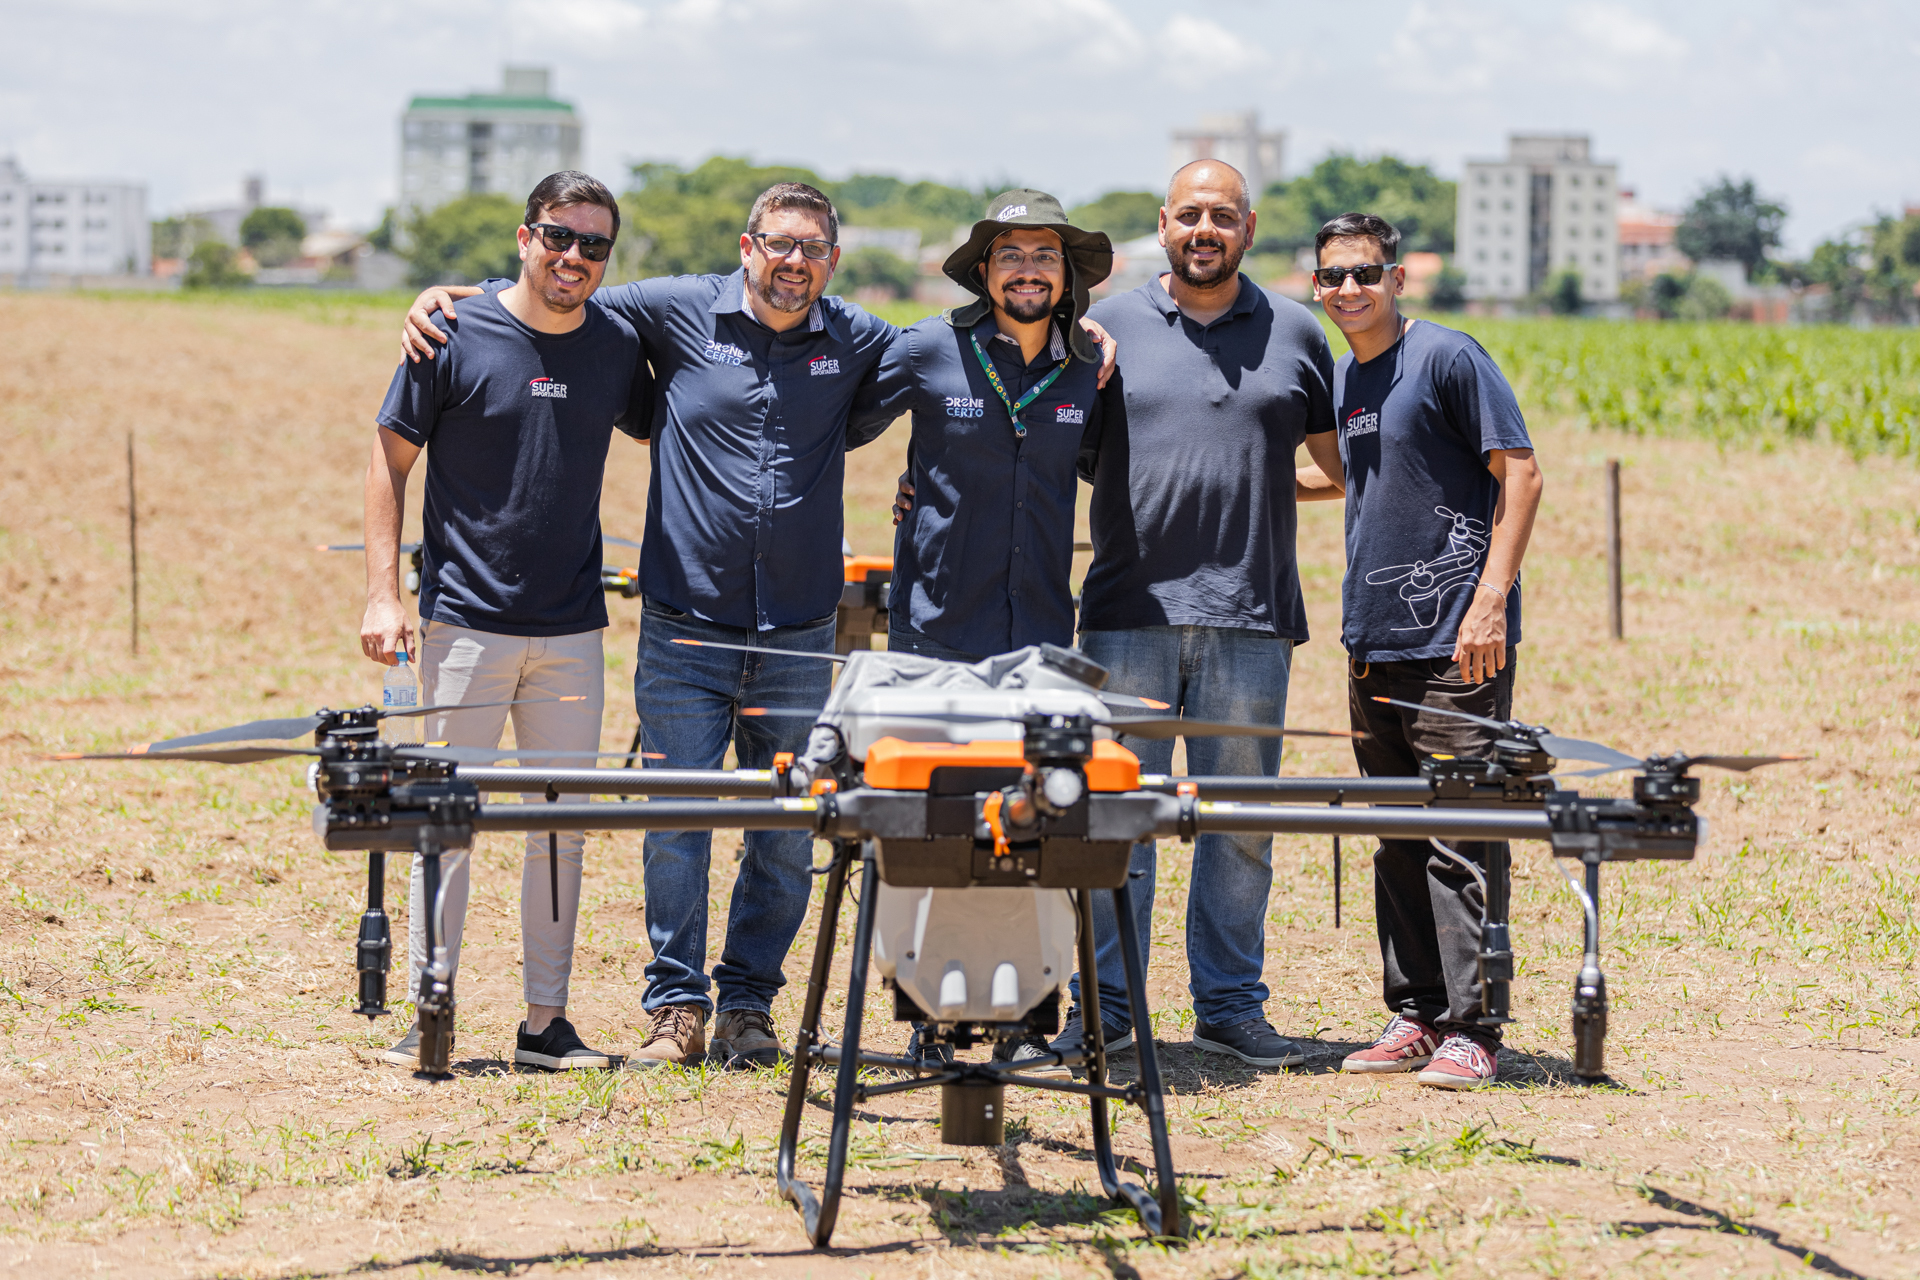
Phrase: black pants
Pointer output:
(1427, 906)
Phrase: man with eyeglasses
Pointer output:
(1442, 488)
(515, 419)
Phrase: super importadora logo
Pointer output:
(547, 389)
(822, 366)
(1071, 416)
(1362, 422)
(1012, 211)
(966, 407)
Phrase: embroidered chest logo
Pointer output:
(1361, 422)
(725, 353)
(966, 407)
(1071, 416)
(547, 389)
(822, 366)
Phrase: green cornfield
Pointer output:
(1735, 383)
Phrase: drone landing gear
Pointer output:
(971, 1093)
(433, 1010)
(373, 954)
(1590, 988)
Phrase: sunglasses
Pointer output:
(559, 239)
(782, 246)
(1334, 277)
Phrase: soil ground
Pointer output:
(183, 1092)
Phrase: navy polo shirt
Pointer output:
(981, 563)
(750, 430)
(516, 425)
(1193, 510)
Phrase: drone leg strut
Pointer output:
(1163, 1218)
(1590, 991)
(433, 1009)
(373, 953)
(1094, 1029)
(805, 1048)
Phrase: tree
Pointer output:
(214, 264)
(1418, 203)
(273, 235)
(881, 200)
(465, 241)
(175, 237)
(1705, 299)
(1123, 215)
(688, 221)
(1563, 293)
(382, 237)
(875, 268)
(1731, 220)
(1449, 290)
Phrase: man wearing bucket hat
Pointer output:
(1004, 397)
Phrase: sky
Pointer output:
(1818, 102)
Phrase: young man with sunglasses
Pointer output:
(1442, 487)
(515, 419)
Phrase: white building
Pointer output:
(1235, 138)
(1547, 208)
(485, 142)
(72, 228)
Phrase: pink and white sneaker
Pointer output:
(1460, 1063)
(1406, 1045)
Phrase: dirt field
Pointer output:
(182, 1091)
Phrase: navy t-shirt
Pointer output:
(1417, 423)
(516, 425)
(1193, 513)
(982, 562)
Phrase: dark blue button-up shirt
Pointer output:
(981, 563)
(750, 432)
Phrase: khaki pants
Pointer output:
(458, 664)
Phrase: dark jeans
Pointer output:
(688, 698)
(1427, 907)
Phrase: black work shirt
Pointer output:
(1193, 510)
(750, 430)
(981, 563)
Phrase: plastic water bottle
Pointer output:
(400, 691)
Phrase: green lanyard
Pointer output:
(1015, 407)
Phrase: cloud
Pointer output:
(1197, 52)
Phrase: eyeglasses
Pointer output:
(1335, 277)
(559, 239)
(1013, 259)
(782, 246)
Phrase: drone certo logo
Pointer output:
(1071, 416)
(725, 353)
(966, 407)
(822, 366)
(547, 389)
(1362, 423)
(1011, 211)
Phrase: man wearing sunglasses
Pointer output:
(515, 419)
(1442, 487)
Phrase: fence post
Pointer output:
(133, 548)
(1616, 627)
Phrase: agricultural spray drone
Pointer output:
(614, 579)
(980, 807)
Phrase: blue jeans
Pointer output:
(688, 698)
(1207, 673)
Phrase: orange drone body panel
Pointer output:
(894, 765)
(859, 566)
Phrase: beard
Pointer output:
(551, 294)
(1200, 278)
(1025, 310)
(780, 297)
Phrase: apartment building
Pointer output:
(71, 227)
(1236, 138)
(501, 142)
(1547, 208)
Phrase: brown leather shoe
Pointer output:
(678, 1038)
(744, 1038)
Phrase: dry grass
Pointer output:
(185, 1094)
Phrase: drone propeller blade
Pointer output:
(1578, 749)
(618, 542)
(1138, 726)
(298, 727)
(231, 755)
(340, 546)
(1126, 701)
(749, 648)
(482, 755)
(1445, 711)
(1741, 764)
(470, 706)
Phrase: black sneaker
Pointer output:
(936, 1055)
(406, 1053)
(1030, 1055)
(1072, 1037)
(1254, 1042)
(558, 1048)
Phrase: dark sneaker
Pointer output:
(558, 1048)
(406, 1053)
(1031, 1056)
(1406, 1045)
(1461, 1062)
(1254, 1042)
(1072, 1037)
(935, 1055)
(744, 1038)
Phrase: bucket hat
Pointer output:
(1089, 260)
